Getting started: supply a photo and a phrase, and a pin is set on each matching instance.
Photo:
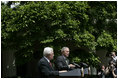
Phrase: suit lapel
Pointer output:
(65, 60)
(48, 64)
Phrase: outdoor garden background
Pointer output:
(88, 28)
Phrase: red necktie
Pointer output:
(50, 64)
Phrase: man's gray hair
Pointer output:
(63, 49)
(47, 51)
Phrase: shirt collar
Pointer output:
(47, 59)
(64, 57)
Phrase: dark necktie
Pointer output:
(66, 61)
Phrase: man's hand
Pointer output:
(71, 66)
(62, 71)
(112, 56)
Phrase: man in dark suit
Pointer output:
(62, 62)
(45, 67)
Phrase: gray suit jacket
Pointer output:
(61, 63)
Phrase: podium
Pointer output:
(73, 73)
(86, 71)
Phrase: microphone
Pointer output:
(78, 66)
(83, 64)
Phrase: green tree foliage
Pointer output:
(89, 58)
(31, 26)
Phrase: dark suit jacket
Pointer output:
(61, 64)
(45, 70)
